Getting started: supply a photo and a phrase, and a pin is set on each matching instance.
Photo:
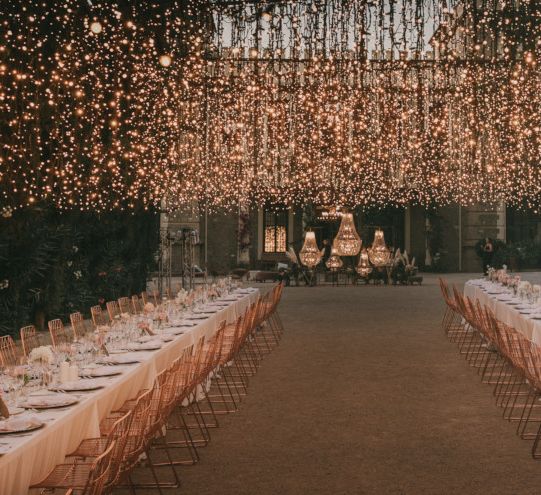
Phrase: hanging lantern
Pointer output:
(363, 267)
(334, 262)
(379, 254)
(347, 241)
(310, 255)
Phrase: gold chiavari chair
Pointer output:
(88, 478)
(78, 325)
(30, 339)
(113, 309)
(58, 333)
(124, 305)
(136, 305)
(99, 318)
(8, 351)
(156, 297)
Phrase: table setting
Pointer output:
(514, 301)
(56, 398)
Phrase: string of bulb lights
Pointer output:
(221, 102)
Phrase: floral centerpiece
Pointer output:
(181, 297)
(149, 308)
(524, 289)
(41, 355)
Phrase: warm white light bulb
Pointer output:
(96, 27)
(165, 60)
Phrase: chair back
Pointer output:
(78, 326)
(8, 352)
(30, 339)
(124, 305)
(58, 333)
(99, 472)
(136, 305)
(98, 316)
(113, 310)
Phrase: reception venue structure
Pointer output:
(270, 246)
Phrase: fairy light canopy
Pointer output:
(108, 105)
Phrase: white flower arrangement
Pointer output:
(4, 284)
(524, 288)
(125, 316)
(42, 354)
(181, 296)
(148, 308)
(78, 274)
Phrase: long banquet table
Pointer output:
(526, 321)
(30, 458)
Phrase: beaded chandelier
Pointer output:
(378, 254)
(347, 241)
(310, 254)
(363, 267)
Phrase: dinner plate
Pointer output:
(153, 345)
(174, 331)
(126, 358)
(78, 386)
(20, 425)
(49, 401)
(101, 371)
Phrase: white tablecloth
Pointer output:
(32, 457)
(479, 290)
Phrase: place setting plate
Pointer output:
(152, 345)
(49, 401)
(78, 386)
(101, 371)
(118, 359)
(13, 426)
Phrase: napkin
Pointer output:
(4, 411)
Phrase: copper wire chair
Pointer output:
(30, 339)
(78, 325)
(125, 305)
(136, 305)
(8, 351)
(119, 432)
(144, 297)
(113, 310)
(99, 318)
(59, 336)
(88, 478)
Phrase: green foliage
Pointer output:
(52, 264)
(525, 254)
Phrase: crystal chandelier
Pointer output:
(334, 262)
(347, 241)
(363, 267)
(310, 255)
(379, 254)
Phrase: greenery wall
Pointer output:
(52, 264)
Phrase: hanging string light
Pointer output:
(218, 102)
